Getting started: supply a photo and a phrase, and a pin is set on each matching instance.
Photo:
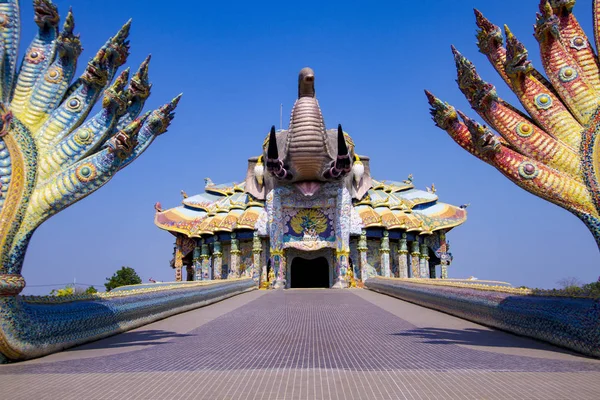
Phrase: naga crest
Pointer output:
(552, 149)
(307, 154)
(53, 150)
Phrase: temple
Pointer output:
(309, 214)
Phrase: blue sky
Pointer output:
(236, 61)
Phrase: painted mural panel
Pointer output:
(374, 255)
(246, 260)
(226, 260)
(394, 258)
(308, 228)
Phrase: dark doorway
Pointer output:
(309, 273)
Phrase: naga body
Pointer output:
(51, 154)
(552, 150)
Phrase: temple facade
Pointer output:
(309, 214)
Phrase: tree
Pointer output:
(91, 290)
(70, 290)
(569, 282)
(124, 276)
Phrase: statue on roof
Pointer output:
(57, 155)
(308, 152)
(551, 151)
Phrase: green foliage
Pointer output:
(69, 290)
(124, 276)
(91, 290)
(571, 287)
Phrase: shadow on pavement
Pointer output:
(480, 337)
(127, 339)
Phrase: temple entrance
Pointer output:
(309, 273)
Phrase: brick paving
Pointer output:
(308, 344)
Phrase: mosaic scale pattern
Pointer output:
(312, 344)
(51, 154)
(552, 150)
(569, 322)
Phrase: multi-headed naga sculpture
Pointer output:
(50, 155)
(553, 150)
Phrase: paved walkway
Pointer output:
(308, 344)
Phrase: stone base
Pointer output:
(279, 284)
(340, 284)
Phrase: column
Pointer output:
(403, 258)
(205, 255)
(385, 254)
(178, 263)
(414, 258)
(234, 258)
(424, 261)
(278, 265)
(444, 268)
(256, 272)
(217, 259)
(197, 263)
(362, 255)
(341, 266)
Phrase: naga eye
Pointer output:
(74, 104)
(86, 172)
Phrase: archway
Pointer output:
(309, 273)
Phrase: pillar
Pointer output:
(217, 259)
(197, 263)
(403, 257)
(178, 263)
(415, 253)
(341, 266)
(278, 265)
(362, 255)
(424, 261)
(234, 258)
(256, 272)
(205, 256)
(385, 254)
(444, 268)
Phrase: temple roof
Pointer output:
(388, 204)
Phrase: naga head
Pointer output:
(140, 86)
(562, 7)
(547, 22)
(115, 97)
(68, 44)
(489, 36)
(443, 114)
(46, 14)
(479, 92)
(484, 140)
(516, 56)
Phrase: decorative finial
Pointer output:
(464, 206)
(409, 179)
(259, 171)
(184, 194)
(158, 207)
(358, 169)
(208, 182)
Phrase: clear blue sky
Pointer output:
(236, 61)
